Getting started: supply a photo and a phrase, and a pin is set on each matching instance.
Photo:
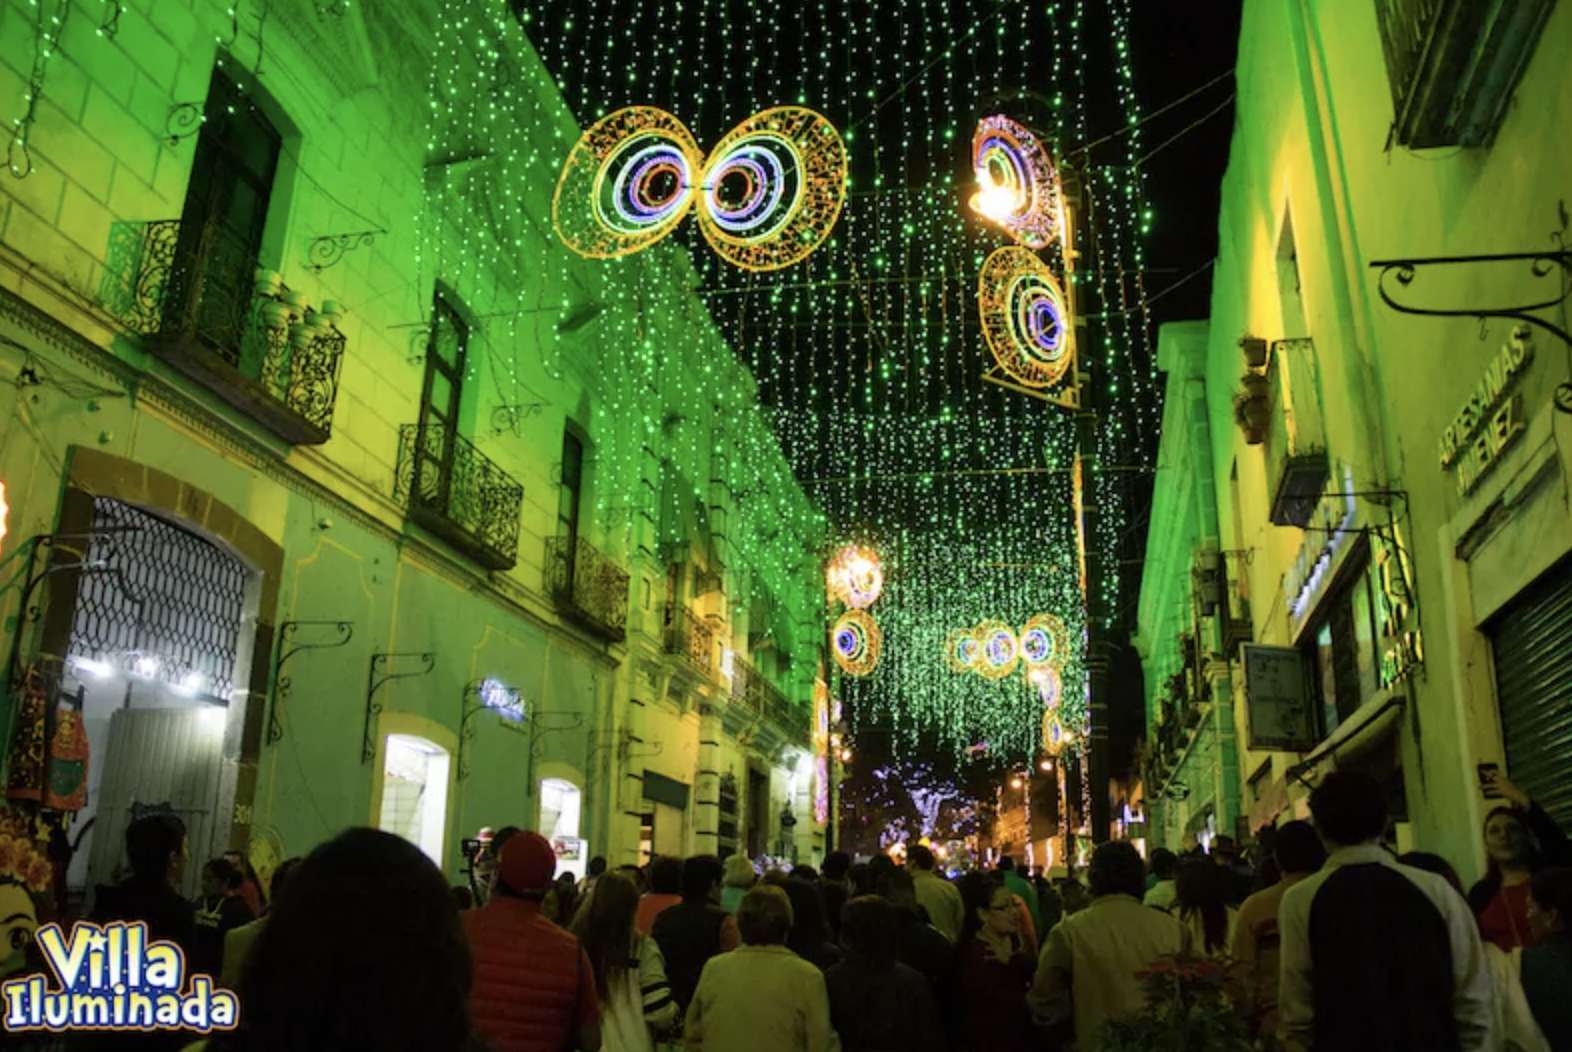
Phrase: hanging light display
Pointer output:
(961, 650)
(1000, 650)
(855, 577)
(1025, 318)
(1045, 641)
(855, 642)
(1017, 187)
(1046, 682)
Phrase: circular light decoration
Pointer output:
(1045, 641)
(855, 576)
(855, 641)
(1025, 318)
(772, 189)
(1000, 650)
(1056, 736)
(627, 182)
(1017, 186)
(961, 650)
(1045, 680)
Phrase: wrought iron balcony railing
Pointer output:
(460, 494)
(747, 687)
(692, 638)
(198, 299)
(588, 587)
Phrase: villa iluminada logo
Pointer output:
(113, 977)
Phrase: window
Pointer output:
(1342, 651)
(572, 483)
(225, 213)
(440, 401)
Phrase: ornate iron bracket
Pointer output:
(481, 696)
(281, 683)
(328, 249)
(185, 119)
(1541, 265)
(507, 417)
(27, 612)
(378, 678)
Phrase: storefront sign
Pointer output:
(1277, 699)
(1490, 419)
(502, 699)
(1330, 528)
(1402, 645)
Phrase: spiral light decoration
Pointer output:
(1017, 186)
(1046, 681)
(1001, 650)
(855, 577)
(961, 650)
(1045, 641)
(1025, 317)
(767, 195)
(855, 643)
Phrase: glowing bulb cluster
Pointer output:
(1017, 186)
(855, 577)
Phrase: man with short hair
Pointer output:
(1164, 888)
(1086, 974)
(1256, 940)
(665, 892)
(695, 929)
(1240, 880)
(940, 898)
(762, 997)
(1377, 955)
(597, 866)
(533, 989)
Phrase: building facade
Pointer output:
(317, 516)
(1359, 547)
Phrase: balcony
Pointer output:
(199, 302)
(458, 493)
(747, 688)
(1454, 64)
(589, 589)
(690, 638)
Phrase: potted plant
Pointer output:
(1252, 407)
(1187, 1010)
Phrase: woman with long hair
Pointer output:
(1520, 840)
(362, 950)
(995, 970)
(630, 974)
(1201, 903)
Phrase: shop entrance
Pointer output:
(1532, 641)
(415, 792)
(758, 813)
(561, 803)
(156, 663)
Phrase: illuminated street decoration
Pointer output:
(961, 650)
(5, 513)
(1045, 641)
(855, 577)
(1056, 736)
(626, 184)
(1024, 317)
(773, 188)
(1046, 681)
(1001, 650)
(856, 642)
(1017, 187)
(767, 196)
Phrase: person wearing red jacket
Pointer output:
(534, 989)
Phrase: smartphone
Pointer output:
(1487, 780)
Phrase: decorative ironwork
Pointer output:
(1541, 265)
(200, 300)
(328, 249)
(691, 637)
(588, 586)
(508, 417)
(283, 684)
(173, 610)
(185, 119)
(380, 677)
(488, 695)
(459, 493)
(747, 687)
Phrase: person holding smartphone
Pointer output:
(1520, 840)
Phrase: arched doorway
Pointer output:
(561, 808)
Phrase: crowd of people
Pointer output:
(1329, 942)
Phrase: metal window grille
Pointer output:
(161, 596)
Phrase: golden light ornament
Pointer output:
(855, 577)
(1025, 318)
(1045, 641)
(1048, 684)
(961, 650)
(627, 183)
(855, 642)
(773, 188)
(1056, 736)
(1017, 185)
(1000, 650)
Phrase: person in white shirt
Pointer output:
(1376, 955)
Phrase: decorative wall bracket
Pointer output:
(281, 683)
(1545, 264)
(328, 249)
(486, 695)
(379, 677)
(184, 120)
